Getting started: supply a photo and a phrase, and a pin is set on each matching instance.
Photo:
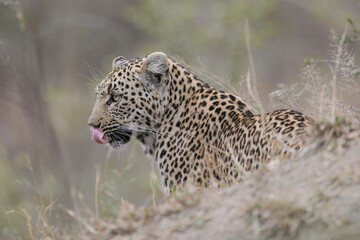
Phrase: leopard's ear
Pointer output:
(117, 62)
(155, 69)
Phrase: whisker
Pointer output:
(93, 82)
(92, 72)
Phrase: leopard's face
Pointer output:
(129, 100)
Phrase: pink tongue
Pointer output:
(97, 135)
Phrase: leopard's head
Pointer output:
(130, 100)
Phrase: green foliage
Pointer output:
(21, 194)
(355, 36)
(9, 197)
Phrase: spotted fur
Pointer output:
(196, 134)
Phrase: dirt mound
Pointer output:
(313, 196)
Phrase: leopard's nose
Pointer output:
(96, 125)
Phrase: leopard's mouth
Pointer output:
(119, 137)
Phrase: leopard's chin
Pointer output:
(117, 145)
(120, 137)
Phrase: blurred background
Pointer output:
(52, 54)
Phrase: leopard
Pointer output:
(195, 134)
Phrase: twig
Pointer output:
(333, 99)
(248, 79)
(28, 223)
(97, 183)
(253, 95)
(334, 71)
(72, 214)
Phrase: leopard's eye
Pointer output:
(113, 98)
(116, 97)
